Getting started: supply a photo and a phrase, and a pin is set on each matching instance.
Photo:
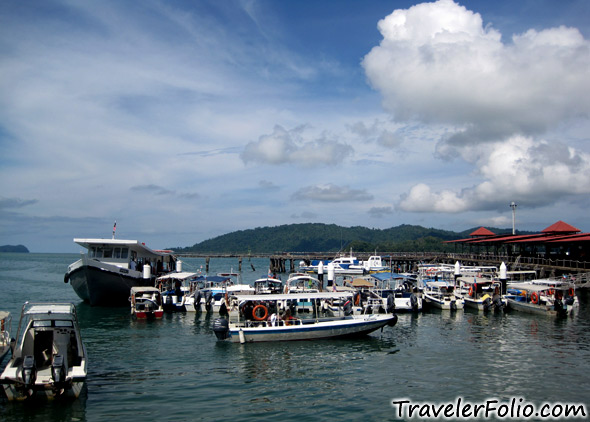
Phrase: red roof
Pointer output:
(561, 227)
(482, 231)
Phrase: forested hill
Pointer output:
(316, 237)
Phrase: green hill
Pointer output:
(317, 237)
(13, 248)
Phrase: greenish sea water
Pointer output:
(176, 370)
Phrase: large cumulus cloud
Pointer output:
(439, 63)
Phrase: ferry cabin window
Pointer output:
(124, 253)
(107, 253)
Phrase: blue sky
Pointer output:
(186, 120)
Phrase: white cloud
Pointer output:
(533, 173)
(289, 147)
(438, 63)
(331, 193)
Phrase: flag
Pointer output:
(114, 229)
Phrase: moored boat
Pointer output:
(543, 297)
(5, 326)
(146, 302)
(48, 357)
(482, 294)
(441, 295)
(255, 326)
(104, 275)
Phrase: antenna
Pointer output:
(513, 206)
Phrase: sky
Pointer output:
(186, 120)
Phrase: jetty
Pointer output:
(288, 262)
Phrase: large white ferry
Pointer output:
(104, 275)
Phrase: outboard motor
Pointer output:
(29, 371)
(487, 304)
(414, 302)
(221, 328)
(559, 308)
(197, 303)
(58, 369)
(347, 308)
(390, 304)
(223, 309)
(498, 304)
(208, 299)
(453, 305)
(569, 300)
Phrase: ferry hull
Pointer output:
(103, 287)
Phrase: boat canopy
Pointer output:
(143, 289)
(294, 296)
(540, 287)
(46, 309)
(362, 282)
(134, 245)
(183, 275)
(388, 275)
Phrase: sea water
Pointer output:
(174, 369)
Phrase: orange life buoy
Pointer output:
(535, 298)
(550, 292)
(357, 299)
(571, 291)
(471, 291)
(256, 317)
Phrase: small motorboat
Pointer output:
(269, 317)
(146, 303)
(48, 357)
(543, 297)
(441, 295)
(5, 325)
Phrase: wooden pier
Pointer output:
(408, 261)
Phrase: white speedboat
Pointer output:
(5, 326)
(441, 295)
(104, 275)
(543, 297)
(48, 357)
(302, 283)
(260, 325)
(402, 288)
(146, 303)
(345, 265)
(481, 293)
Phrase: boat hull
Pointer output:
(100, 286)
(537, 309)
(347, 327)
(45, 390)
(444, 304)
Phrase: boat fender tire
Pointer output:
(255, 314)
(66, 279)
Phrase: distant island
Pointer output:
(14, 248)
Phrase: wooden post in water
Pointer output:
(207, 265)
(240, 264)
